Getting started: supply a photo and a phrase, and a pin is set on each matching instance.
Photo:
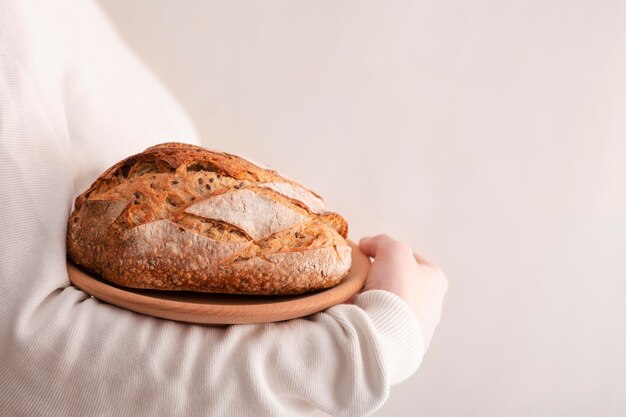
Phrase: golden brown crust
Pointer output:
(181, 217)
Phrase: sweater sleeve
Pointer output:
(72, 355)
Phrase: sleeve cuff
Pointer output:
(397, 325)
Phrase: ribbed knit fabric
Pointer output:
(74, 100)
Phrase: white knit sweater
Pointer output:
(74, 100)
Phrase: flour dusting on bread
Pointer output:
(181, 217)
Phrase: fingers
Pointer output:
(421, 260)
(384, 244)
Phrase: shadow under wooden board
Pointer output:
(205, 308)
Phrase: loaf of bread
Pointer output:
(181, 217)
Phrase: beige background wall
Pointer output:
(491, 135)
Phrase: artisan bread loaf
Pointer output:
(181, 217)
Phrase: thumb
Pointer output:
(370, 246)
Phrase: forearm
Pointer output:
(75, 355)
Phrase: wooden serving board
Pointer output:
(224, 309)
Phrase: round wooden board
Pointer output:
(207, 308)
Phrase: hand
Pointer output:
(414, 279)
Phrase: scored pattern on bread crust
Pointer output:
(181, 217)
(314, 203)
(258, 215)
